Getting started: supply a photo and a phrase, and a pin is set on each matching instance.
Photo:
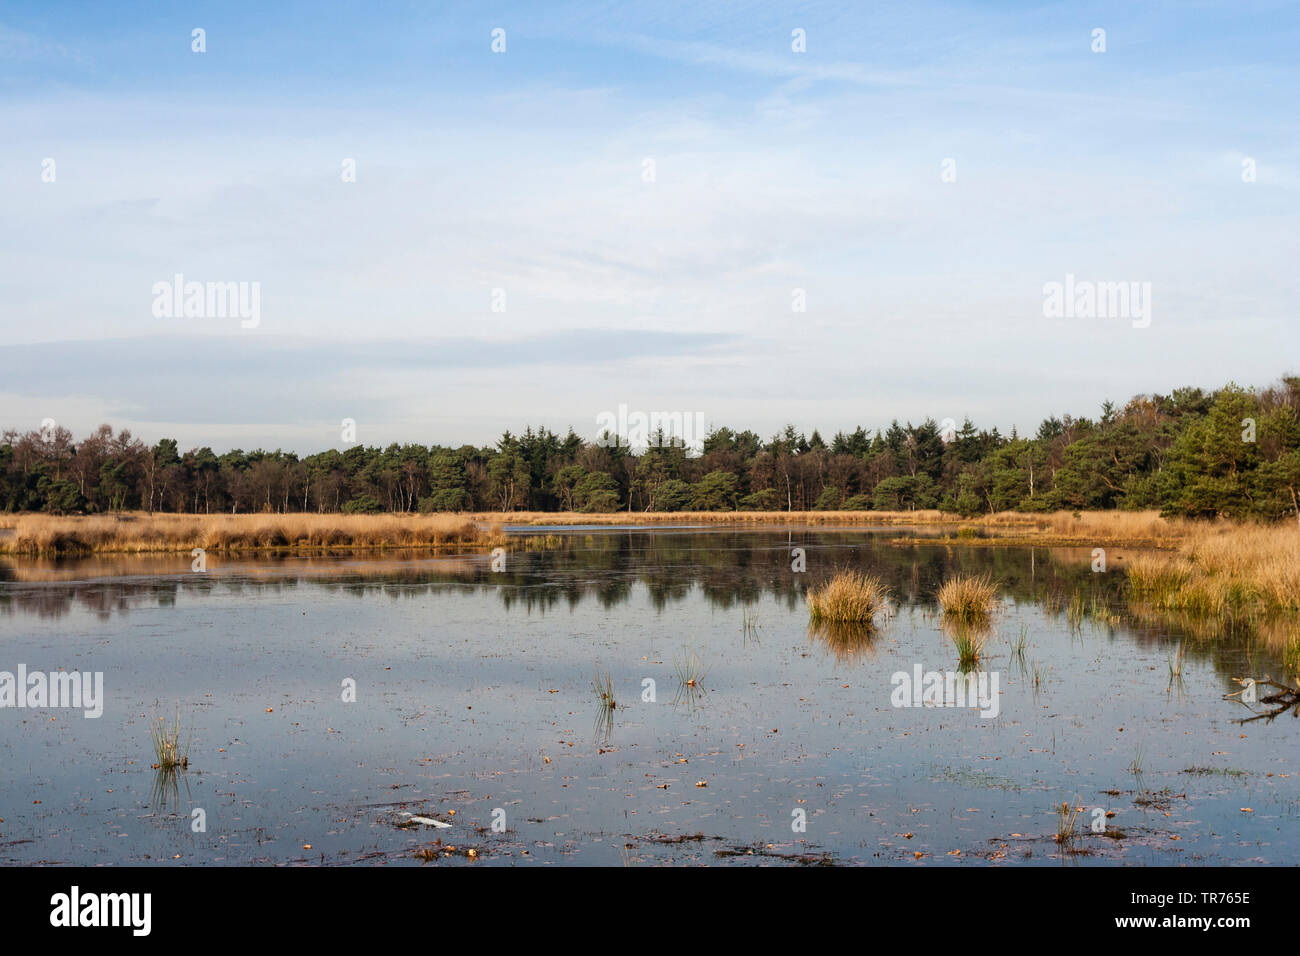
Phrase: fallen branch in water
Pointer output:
(1285, 698)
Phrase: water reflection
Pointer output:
(733, 570)
(165, 795)
(846, 640)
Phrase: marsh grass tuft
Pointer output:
(1067, 817)
(167, 751)
(849, 596)
(1040, 672)
(1019, 644)
(967, 597)
(1135, 767)
(603, 685)
(1076, 611)
(690, 672)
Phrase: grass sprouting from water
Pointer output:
(603, 685)
(1067, 816)
(1019, 644)
(967, 597)
(690, 672)
(1135, 767)
(167, 750)
(849, 596)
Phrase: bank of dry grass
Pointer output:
(39, 535)
(1066, 528)
(1145, 528)
(1223, 570)
(714, 517)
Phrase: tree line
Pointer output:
(1232, 452)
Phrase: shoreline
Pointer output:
(137, 532)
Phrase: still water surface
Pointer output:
(475, 707)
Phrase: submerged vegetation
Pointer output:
(848, 597)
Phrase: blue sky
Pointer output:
(523, 171)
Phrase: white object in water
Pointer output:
(427, 821)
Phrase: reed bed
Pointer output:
(40, 535)
(849, 596)
(1223, 571)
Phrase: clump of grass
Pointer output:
(1101, 613)
(749, 623)
(1067, 816)
(1019, 643)
(968, 597)
(849, 596)
(167, 751)
(603, 685)
(1076, 611)
(690, 678)
(690, 672)
(1040, 674)
(1135, 767)
(1156, 576)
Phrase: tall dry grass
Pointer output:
(38, 535)
(1221, 569)
(1094, 527)
(967, 597)
(714, 517)
(849, 596)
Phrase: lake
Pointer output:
(336, 706)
